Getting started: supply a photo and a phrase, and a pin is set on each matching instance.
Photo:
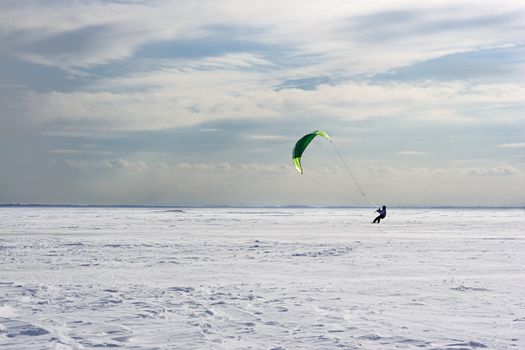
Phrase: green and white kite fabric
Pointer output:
(301, 145)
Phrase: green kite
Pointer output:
(301, 145)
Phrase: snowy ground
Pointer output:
(151, 278)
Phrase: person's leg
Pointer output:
(376, 220)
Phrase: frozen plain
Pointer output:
(229, 278)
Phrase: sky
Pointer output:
(201, 102)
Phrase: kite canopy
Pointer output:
(301, 145)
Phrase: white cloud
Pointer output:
(512, 145)
(384, 169)
(241, 97)
(114, 164)
(81, 152)
(321, 39)
(228, 61)
(356, 38)
(413, 153)
(499, 170)
(83, 34)
(128, 181)
(188, 168)
(263, 137)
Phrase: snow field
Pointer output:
(227, 278)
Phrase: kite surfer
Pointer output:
(382, 214)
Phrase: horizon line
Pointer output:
(283, 206)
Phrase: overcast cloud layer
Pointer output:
(179, 102)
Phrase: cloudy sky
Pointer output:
(201, 102)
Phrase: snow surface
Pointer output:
(156, 278)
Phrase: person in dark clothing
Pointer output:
(382, 214)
